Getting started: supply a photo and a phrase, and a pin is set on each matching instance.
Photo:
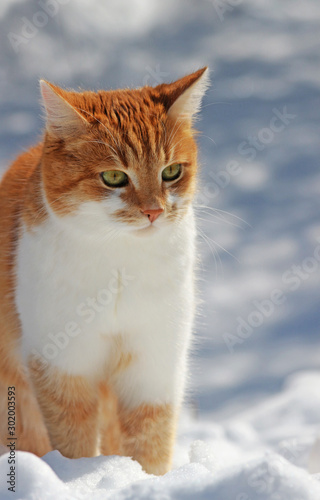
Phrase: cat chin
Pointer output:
(146, 231)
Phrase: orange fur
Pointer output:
(148, 436)
(103, 131)
(69, 405)
(110, 430)
(30, 429)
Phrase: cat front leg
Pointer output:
(150, 391)
(69, 405)
(148, 433)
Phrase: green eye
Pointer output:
(171, 172)
(114, 178)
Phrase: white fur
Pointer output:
(188, 103)
(148, 299)
(62, 118)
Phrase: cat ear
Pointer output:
(186, 94)
(63, 120)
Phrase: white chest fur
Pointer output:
(81, 301)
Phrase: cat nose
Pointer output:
(152, 213)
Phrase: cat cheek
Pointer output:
(114, 204)
(175, 202)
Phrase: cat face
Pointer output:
(123, 160)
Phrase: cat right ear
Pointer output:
(62, 120)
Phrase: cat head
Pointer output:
(122, 159)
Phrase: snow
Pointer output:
(252, 415)
(261, 453)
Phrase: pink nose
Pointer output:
(152, 214)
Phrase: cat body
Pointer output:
(128, 290)
(97, 273)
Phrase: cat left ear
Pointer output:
(185, 95)
(63, 120)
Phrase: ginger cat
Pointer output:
(96, 273)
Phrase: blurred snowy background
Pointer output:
(254, 384)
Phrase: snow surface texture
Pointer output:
(252, 415)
